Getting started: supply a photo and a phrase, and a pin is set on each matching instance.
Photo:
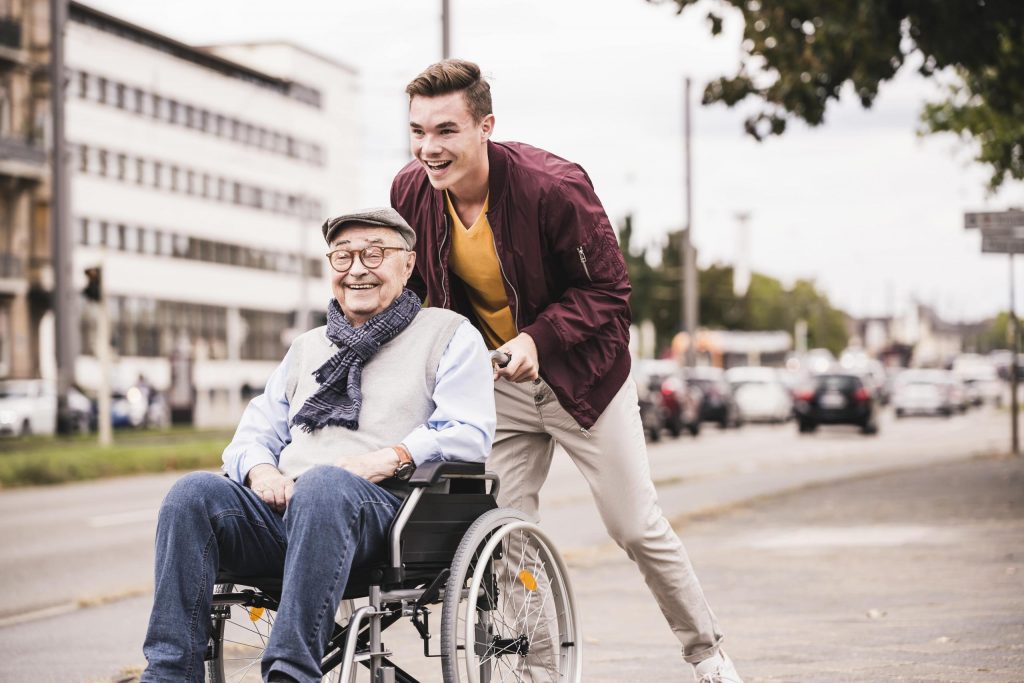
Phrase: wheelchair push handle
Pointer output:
(500, 359)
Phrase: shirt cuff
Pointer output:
(251, 458)
(422, 445)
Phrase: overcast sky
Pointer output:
(863, 206)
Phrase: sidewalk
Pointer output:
(912, 576)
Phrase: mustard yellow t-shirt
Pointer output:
(475, 261)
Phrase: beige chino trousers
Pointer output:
(612, 456)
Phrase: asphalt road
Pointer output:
(77, 559)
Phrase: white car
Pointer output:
(760, 394)
(925, 392)
(27, 406)
(981, 379)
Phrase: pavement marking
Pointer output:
(120, 518)
(81, 603)
(45, 613)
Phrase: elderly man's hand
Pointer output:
(523, 366)
(273, 488)
(373, 466)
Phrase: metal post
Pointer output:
(446, 41)
(103, 407)
(64, 299)
(689, 256)
(1014, 436)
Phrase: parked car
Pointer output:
(981, 379)
(836, 398)
(27, 406)
(718, 404)
(651, 413)
(760, 394)
(139, 407)
(924, 392)
(678, 400)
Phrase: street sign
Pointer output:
(1014, 218)
(1003, 231)
(993, 244)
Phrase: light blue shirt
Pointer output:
(460, 428)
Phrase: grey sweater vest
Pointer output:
(397, 386)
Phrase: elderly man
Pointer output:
(353, 407)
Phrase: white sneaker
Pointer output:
(717, 669)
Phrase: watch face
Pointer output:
(404, 471)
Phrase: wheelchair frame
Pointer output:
(435, 541)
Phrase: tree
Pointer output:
(797, 55)
(767, 305)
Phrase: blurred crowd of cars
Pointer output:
(813, 389)
(29, 406)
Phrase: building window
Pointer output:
(101, 94)
(83, 84)
(120, 93)
(83, 158)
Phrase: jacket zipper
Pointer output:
(583, 262)
(440, 260)
(501, 268)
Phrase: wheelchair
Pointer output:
(506, 603)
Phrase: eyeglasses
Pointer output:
(371, 257)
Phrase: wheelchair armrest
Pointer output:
(431, 473)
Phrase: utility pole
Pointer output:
(64, 299)
(689, 256)
(1014, 378)
(446, 39)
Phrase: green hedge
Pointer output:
(36, 461)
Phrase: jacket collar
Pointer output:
(497, 178)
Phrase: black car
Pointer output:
(836, 399)
(717, 404)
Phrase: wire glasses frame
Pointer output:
(371, 257)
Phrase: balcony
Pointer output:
(21, 159)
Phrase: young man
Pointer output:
(515, 239)
(384, 386)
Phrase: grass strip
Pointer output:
(39, 461)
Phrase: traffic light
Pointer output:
(94, 283)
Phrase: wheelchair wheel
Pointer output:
(241, 629)
(509, 613)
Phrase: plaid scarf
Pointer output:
(339, 398)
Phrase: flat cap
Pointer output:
(382, 217)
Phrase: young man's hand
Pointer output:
(523, 366)
(373, 466)
(273, 488)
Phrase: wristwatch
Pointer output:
(406, 466)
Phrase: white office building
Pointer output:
(199, 179)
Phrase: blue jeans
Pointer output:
(334, 521)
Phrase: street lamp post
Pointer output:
(64, 299)
(689, 256)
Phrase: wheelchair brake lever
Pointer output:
(434, 589)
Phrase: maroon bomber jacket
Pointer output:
(563, 271)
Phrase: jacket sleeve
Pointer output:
(582, 243)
